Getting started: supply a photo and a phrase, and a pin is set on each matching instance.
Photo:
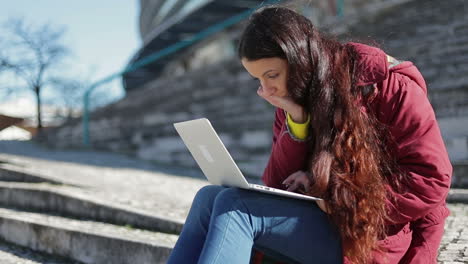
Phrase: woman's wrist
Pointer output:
(298, 116)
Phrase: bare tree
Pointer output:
(5, 64)
(33, 53)
(69, 93)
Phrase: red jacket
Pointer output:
(401, 103)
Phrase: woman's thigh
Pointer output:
(290, 227)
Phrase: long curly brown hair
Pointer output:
(349, 160)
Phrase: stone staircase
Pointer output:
(457, 146)
(455, 132)
(43, 214)
(460, 174)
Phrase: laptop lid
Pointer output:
(210, 153)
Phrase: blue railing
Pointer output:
(340, 8)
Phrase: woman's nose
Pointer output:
(267, 88)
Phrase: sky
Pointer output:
(102, 35)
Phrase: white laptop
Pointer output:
(215, 161)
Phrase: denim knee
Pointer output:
(205, 197)
(207, 194)
(228, 198)
(202, 205)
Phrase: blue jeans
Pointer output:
(225, 223)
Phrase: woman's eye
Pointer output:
(273, 76)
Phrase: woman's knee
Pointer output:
(228, 198)
(219, 197)
(207, 194)
(202, 204)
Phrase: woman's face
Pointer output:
(272, 74)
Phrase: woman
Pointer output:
(353, 126)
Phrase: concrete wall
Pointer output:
(431, 33)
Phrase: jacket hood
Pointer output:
(372, 66)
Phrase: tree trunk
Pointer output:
(69, 114)
(37, 90)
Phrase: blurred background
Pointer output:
(114, 77)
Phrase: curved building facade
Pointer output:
(169, 22)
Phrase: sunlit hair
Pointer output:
(349, 161)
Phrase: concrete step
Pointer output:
(457, 147)
(84, 241)
(15, 173)
(460, 174)
(66, 220)
(147, 189)
(70, 201)
(458, 196)
(13, 254)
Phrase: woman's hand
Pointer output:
(296, 111)
(300, 182)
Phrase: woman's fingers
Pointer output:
(293, 186)
(291, 178)
(285, 103)
(298, 181)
